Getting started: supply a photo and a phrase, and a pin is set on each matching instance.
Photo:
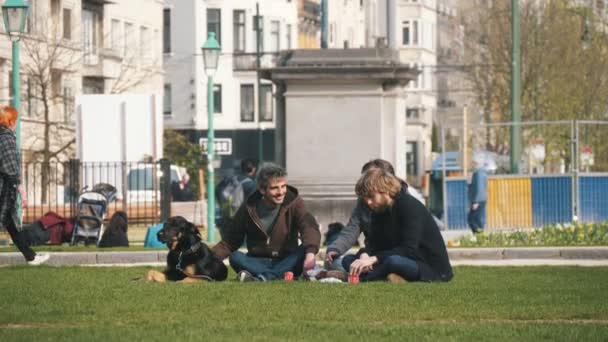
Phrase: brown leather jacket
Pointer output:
(293, 222)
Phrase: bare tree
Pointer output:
(48, 61)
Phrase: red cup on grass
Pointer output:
(353, 279)
(288, 276)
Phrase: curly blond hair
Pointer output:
(377, 181)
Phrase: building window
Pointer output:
(214, 23)
(266, 102)
(92, 85)
(412, 113)
(67, 23)
(55, 83)
(416, 83)
(116, 35)
(259, 22)
(144, 44)
(129, 39)
(30, 25)
(410, 32)
(55, 7)
(32, 96)
(166, 30)
(247, 102)
(10, 84)
(68, 104)
(411, 158)
(239, 30)
(167, 99)
(275, 42)
(217, 98)
(90, 34)
(154, 50)
(288, 36)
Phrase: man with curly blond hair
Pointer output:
(404, 243)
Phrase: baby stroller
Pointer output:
(92, 206)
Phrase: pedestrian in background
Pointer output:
(478, 195)
(182, 191)
(10, 186)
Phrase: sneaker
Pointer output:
(39, 259)
(245, 277)
(395, 278)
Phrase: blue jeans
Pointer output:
(405, 267)
(477, 218)
(267, 268)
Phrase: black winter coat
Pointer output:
(10, 178)
(408, 229)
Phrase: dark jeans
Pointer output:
(477, 218)
(19, 240)
(405, 267)
(267, 268)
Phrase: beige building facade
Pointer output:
(76, 47)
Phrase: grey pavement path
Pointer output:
(581, 256)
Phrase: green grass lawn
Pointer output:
(481, 303)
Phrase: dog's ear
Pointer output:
(193, 230)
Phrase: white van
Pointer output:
(142, 179)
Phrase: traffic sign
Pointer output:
(221, 146)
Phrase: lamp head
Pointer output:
(211, 53)
(14, 13)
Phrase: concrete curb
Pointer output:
(540, 253)
(91, 258)
(590, 256)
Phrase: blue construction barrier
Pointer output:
(593, 198)
(458, 203)
(551, 200)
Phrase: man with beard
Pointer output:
(404, 243)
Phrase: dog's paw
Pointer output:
(156, 276)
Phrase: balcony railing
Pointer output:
(248, 61)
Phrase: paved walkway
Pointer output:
(581, 256)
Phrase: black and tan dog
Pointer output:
(189, 259)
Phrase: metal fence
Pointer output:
(563, 173)
(142, 188)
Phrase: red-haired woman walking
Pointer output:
(10, 185)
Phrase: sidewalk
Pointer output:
(528, 256)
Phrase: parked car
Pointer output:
(143, 181)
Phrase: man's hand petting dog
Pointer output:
(189, 259)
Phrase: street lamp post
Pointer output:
(515, 150)
(211, 53)
(14, 13)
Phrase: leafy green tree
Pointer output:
(564, 62)
(180, 151)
